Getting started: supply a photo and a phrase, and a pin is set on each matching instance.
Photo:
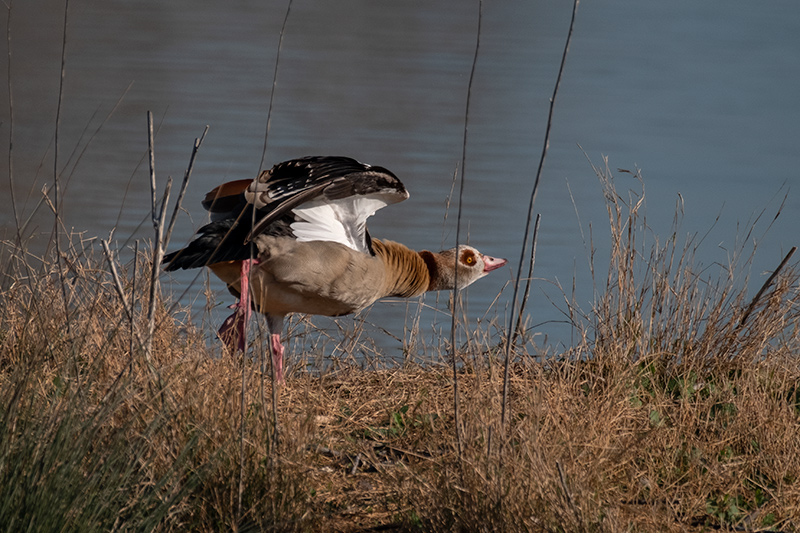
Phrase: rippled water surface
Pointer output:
(701, 96)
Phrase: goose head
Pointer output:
(472, 265)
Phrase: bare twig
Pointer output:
(130, 181)
(356, 464)
(92, 137)
(242, 418)
(456, 400)
(43, 198)
(133, 293)
(764, 287)
(530, 212)
(184, 185)
(453, 355)
(158, 255)
(275, 428)
(152, 159)
(518, 329)
(11, 129)
(274, 84)
(56, 185)
(129, 312)
(158, 244)
(567, 493)
(158, 249)
(112, 266)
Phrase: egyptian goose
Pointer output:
(295, 240)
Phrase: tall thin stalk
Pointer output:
(510, 332)
(78, 155)
(242, 418)
(158, 245)
(132, 326)
(159, 217)
(274, 85)
(764, 287)
(56, 185)
(275, 433)
(19, 228)
(184, 185)
(11, 128)
(128, 307)
(456, 399)
(518, 329)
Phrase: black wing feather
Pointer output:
(272, 196)
(292, 183)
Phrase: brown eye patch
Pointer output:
(468, 257)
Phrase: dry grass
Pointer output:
(674, 413)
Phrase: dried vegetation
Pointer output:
(678, 410)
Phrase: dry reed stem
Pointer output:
(56, 182)
(534, 191)
(9, 88)
(455, 294)
(518, 330)
(671, 413)
(184, 185)
(274, 84)
(376, 447)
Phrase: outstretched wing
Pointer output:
(330, 198)
(310, 199)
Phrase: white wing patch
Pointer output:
(343, 221)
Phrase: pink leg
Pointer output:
(277, 355)
(275, 325)
(233, 331)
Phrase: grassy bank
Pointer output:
(678, 409)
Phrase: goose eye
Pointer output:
(468, 258)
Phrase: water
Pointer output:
(701, 96)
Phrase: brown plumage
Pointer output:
(295, 241)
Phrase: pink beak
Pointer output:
(491, 263)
